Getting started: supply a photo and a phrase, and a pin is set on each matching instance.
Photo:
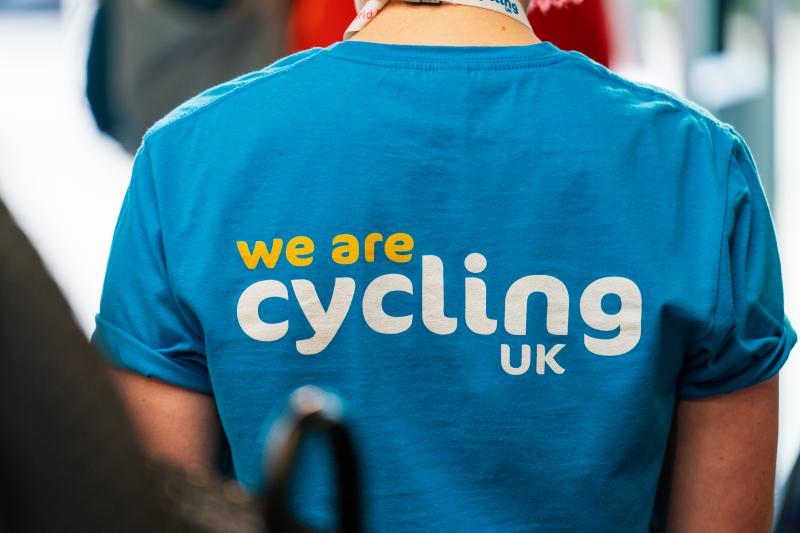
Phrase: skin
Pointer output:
(721, 467)
(444, 25)
(176, 426)
(723, 462)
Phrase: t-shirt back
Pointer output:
(508, 261)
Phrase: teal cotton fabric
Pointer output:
(508, 261)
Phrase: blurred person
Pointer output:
(581, 28)
(145, 58)
(526, 276)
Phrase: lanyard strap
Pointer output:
(512, 8)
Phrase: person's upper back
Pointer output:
(508, 261)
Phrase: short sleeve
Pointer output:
(750, 337)
(141, 327)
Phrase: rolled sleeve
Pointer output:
(143, 326)
(750, 338)
(125, 352)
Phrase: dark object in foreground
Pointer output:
(789, 517)
(69, 461)
(310, 410)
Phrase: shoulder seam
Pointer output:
(725, 211)
(695, 110)
(267, 73)
(163, 248)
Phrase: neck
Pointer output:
(444, 25)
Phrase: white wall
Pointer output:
(63, 181)
(787, 219)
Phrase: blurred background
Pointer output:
(81, 80)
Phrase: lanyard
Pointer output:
(370, 9)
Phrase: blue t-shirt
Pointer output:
(508, 261)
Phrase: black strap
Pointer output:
(310, 410)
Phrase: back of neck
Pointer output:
(444, 25)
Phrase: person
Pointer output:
(536, 285)
(147, 57)
(61, 470)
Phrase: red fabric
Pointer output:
(581, 27)
(319, 22)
